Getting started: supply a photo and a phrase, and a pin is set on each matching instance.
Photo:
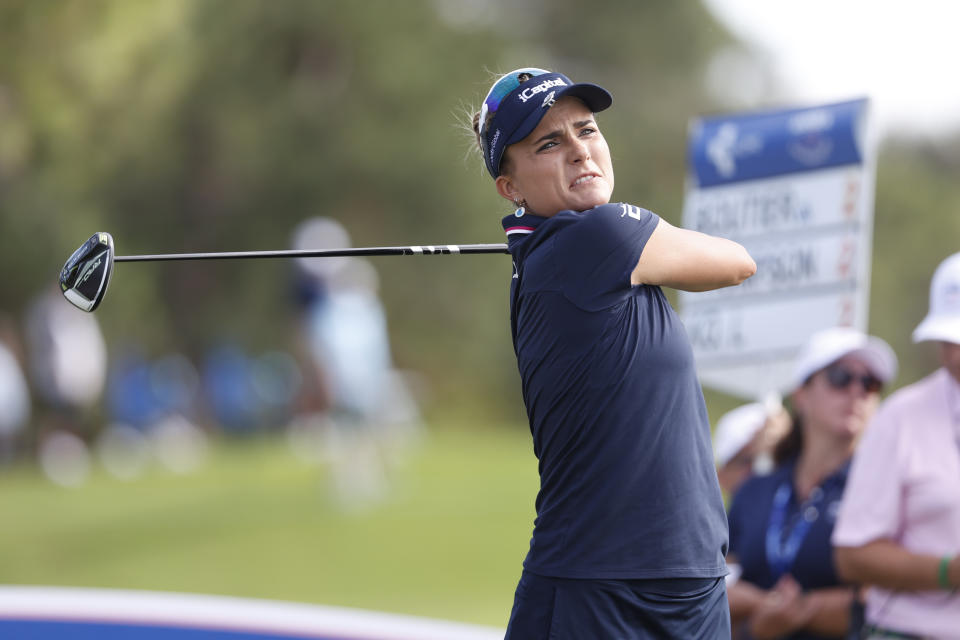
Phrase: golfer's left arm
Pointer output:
(691, 261)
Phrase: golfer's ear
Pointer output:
(507, 189)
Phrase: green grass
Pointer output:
(256, 521)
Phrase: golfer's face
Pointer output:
(564, 164)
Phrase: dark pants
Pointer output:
(560, 609)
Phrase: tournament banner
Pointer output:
(795, 188)
(55, 613)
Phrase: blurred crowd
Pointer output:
(68, 402)
(844, 508)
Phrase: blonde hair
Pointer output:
(475, 126)
(474, 123)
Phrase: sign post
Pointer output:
(795, 188)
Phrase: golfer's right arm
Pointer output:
(691, 261)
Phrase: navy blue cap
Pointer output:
(518, 101)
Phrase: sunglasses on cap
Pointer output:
(840, 377)
(501, 89)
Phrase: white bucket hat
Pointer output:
(829, 345)
(943, 319)
(736, 429)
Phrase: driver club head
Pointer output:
(86, 274)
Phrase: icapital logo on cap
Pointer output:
(493, 143)
(529, 92)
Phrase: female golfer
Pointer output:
(630, 533)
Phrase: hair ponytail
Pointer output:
(476, 130)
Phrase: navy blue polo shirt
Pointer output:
(627, 483)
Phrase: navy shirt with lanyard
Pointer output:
(773, 533)
(627, 483)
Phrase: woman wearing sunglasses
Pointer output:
(781, 523)
(899, 527)
(630, 533)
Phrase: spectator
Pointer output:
(68, 355)
(743, 441)
(228, 381)
(310, 291)
(344, 329)
(14, 393)
(899, 524)
(68, 367)
(150, 405)
(780, 523)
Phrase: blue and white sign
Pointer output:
(795, 187)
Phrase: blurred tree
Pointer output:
(202, 125)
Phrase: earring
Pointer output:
(520, 208)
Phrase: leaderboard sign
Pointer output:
(795, 188)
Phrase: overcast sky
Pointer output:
(903, 54)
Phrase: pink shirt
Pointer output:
(904, 486)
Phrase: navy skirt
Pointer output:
(561, 608)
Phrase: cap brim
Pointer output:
(595, 97)
(938, 328)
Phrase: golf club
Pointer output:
(86, 274)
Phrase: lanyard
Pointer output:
(782, 550)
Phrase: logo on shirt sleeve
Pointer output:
(630, 210)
